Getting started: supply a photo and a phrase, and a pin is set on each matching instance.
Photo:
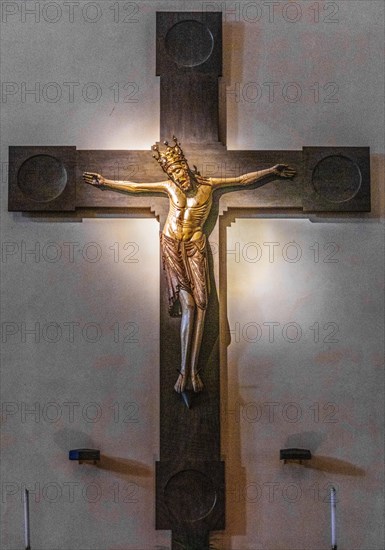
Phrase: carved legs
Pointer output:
(196, 346)
(191, 332)
(186, 331)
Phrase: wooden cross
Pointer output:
(190, 476)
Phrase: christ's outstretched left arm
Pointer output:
(279, 170)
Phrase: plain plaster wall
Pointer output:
(111, 383)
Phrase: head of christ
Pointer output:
(174, 164)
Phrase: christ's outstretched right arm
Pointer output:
(97, 180)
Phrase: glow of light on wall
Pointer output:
(127, 247)
(140, 137)
(108, 135)
(252, 257)
(261, 273)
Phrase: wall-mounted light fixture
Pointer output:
(85, 455)
(294, 455)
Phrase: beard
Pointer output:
(184, 183)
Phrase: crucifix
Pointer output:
(190, 475)
(183, 244)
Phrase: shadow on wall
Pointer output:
(121, 466)
(334, 466)
(312, 440)
(124, 466)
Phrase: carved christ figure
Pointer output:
(183, 243)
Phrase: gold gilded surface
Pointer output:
(183, 242)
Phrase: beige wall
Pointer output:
(333, 389)
(304, 370)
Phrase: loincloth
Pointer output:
(185, 264)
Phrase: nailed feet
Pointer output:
(192, 382)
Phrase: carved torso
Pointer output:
(188, 212)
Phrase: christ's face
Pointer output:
(180, 174)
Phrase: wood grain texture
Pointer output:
(30, 184)
(189, 101)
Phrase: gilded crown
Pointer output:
(171, 155)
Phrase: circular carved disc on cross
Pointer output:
(42, 178)
(189, 43)
(336, 178)
(190, 495)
